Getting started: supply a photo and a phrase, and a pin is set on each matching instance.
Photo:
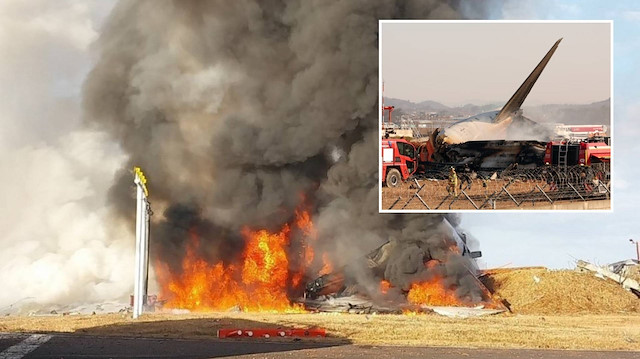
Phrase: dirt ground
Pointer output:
(436, 196)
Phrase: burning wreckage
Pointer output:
(233, 230)
(491, 142)
(419, 275)
(425, 270)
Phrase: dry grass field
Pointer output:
(565, 292)
(559, 309)
(611, 332)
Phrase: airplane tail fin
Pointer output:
(520, 95)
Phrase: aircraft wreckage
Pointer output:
(433, 274)
(489, 142)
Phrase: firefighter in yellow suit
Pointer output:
(452, 188)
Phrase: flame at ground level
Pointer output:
(433, 292)
(384, 286)
(269, 272)
(261, 283)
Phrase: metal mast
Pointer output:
(143, 212)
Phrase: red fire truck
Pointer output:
(401, 158)
(571, 153)
(398, 161)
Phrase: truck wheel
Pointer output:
(393, 178)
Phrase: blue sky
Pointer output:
(557, 239)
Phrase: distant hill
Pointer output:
(432, 106)
(596, 113)
(470, 109)
(408, 106)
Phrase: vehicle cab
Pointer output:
(398, 161)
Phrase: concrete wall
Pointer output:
(599, 204)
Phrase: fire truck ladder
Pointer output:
(414, 129)
(563, 153)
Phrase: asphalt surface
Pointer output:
(15, 346)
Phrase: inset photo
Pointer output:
(495, 115)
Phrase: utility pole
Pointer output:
(143, 212)
(637, 248)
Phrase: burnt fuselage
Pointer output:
(497, 154)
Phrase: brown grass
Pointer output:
(614, 332)
(560, 310)
(542, 291)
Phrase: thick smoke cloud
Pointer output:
(236, 110)
(240, 101)
(59, 243)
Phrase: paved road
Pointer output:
(14, 346)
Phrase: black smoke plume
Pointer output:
(238, 109)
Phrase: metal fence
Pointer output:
(510, 189)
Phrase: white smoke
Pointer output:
(58, 244)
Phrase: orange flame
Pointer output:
(454, 248)
(384, 286)
(304, 223)
(327, 266)
(261, 283)
(433, 292)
